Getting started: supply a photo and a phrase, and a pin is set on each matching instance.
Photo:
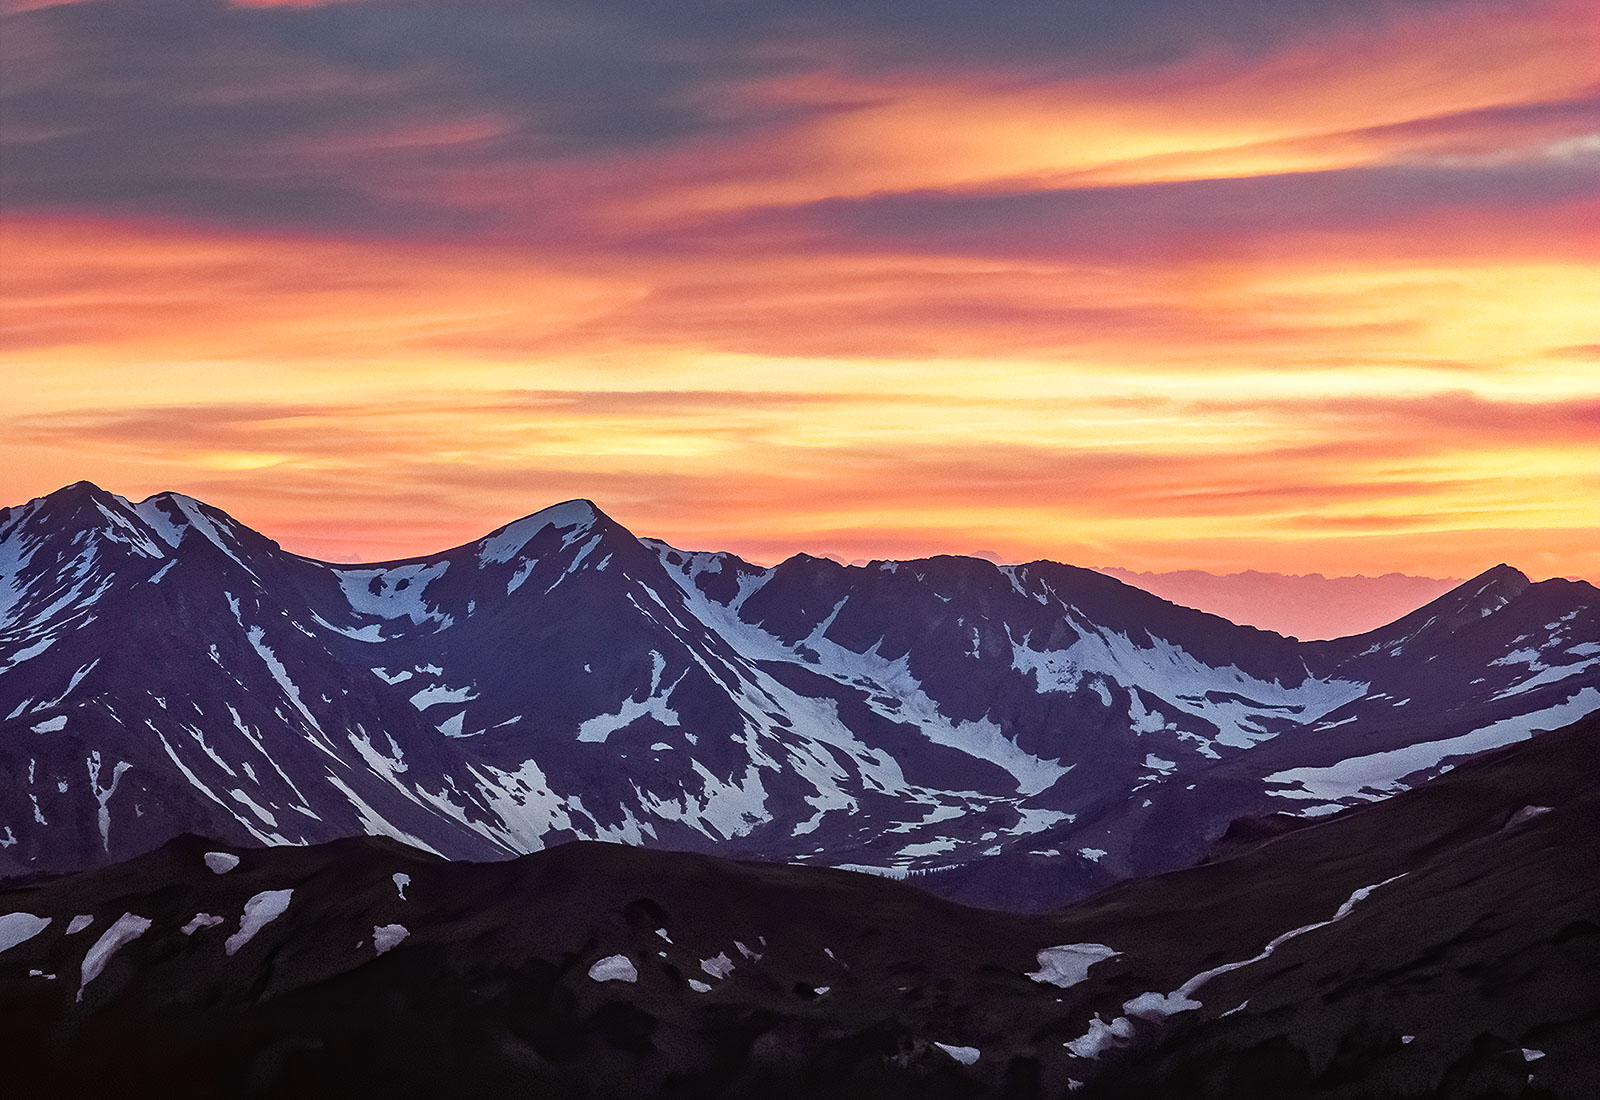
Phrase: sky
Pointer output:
(1279, 285)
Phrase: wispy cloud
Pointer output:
(1284, 284)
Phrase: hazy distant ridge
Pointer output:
(1307, 606)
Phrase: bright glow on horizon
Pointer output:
(1308, 292)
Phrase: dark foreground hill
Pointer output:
(1441, 944)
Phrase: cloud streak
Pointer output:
(1289, 285)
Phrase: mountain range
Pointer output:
(1017, 736)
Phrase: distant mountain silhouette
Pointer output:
(1307, 606)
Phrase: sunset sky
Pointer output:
(1284, 285)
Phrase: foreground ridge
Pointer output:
(1439, 944)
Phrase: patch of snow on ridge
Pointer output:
(1153, 1006)
(1100, 1036)
(1068, 964)
(1228, 698)
(102, 795)
(27, 653)
(220, 863)
(280, 675)
(891, 691)
(979, 738)
(614, 968)
(388, 936)
(127, 928)
(194, 516)
(720, 810)
(1187, 990)
(1383, 770)
(510, 540)
(927, 848)
(718, 966)
(438, 693)
(597, 729)
(15, 554)
(18, 928)
(199, 921)
(372, 632)
(401, 881)
(259, 912)
(1543, 675)
(394, 592)
(965, 1055)
(79, 923)
(524, 803)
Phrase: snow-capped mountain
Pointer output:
(164, 669)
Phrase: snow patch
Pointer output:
(220, 863)
(1231, 700)
(199, 921)
(127, 928)
(1101, 1036)
(1068, 964)
(718, 966)
(394, 592)
(1188, 988)
(438, 693)
(654, 704)
(965, 1055)
(259, 911)
(1382, 771)
(1153, 1006)
(18, 928)
(388, 936)
(614, 968)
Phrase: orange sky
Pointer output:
(1276, 285)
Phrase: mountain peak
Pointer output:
(81, 488)
(1501, 573)
(72, 509)
(76, 495)
(1501, 582)
(507, 542)
(1464, 604)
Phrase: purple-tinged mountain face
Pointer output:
(1030, 732)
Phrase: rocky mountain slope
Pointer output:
(1442, 944)
(1029, 732)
